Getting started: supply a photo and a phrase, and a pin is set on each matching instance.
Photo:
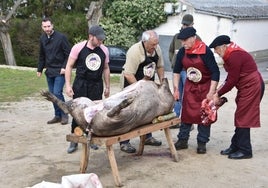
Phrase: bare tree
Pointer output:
(93, 16)
(94, 12)
(4, 35)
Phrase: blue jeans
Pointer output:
(55, 86)
(178, 105)
(202, 136)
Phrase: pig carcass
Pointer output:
(135, 105)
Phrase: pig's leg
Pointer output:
(116, 110)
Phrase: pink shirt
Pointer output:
(79, 46)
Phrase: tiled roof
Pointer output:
(239, 9)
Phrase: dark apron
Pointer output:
(139, 74)
(88, 82)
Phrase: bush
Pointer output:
(25, 41)
(26, 33)
(123, 21)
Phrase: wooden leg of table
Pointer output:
(141, 146)
(114, 166)
(171, 145)
(84, 158)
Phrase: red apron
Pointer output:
(194, 92)
(247, 114)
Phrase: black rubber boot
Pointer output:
(72, 148)
(201, 148)
(181, 144)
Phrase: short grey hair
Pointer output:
(146, 35)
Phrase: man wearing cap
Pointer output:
(202, 79)
(175, 45)
(243, 74)
(91, 58)
(139, 56)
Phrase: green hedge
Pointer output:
(25, 34)
(123, 21)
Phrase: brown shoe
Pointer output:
(64, 119)
(56, 119)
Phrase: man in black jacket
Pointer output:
(53, 55)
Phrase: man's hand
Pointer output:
(216, 99)
(62, 71)
(176, 94)
(39, 74)
(106, 92)
(69, 91)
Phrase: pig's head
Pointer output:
(165, 94)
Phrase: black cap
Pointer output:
(220, 40)
(187, 19)
(97, 31)
(186, 33)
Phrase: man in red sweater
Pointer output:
(243, 74)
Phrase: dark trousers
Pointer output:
(241, 140)
(202, 136)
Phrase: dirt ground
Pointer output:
(33, 151)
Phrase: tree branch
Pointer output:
(12, 11)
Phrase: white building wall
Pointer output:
(171, 27)
(252, 35)
(208, 27)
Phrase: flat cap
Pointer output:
(97, 31)
(187, 19)
(186, 33)
(220, 40)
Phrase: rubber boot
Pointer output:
(201, 148)
(72, 148)
(181, 144)
(64, 119)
